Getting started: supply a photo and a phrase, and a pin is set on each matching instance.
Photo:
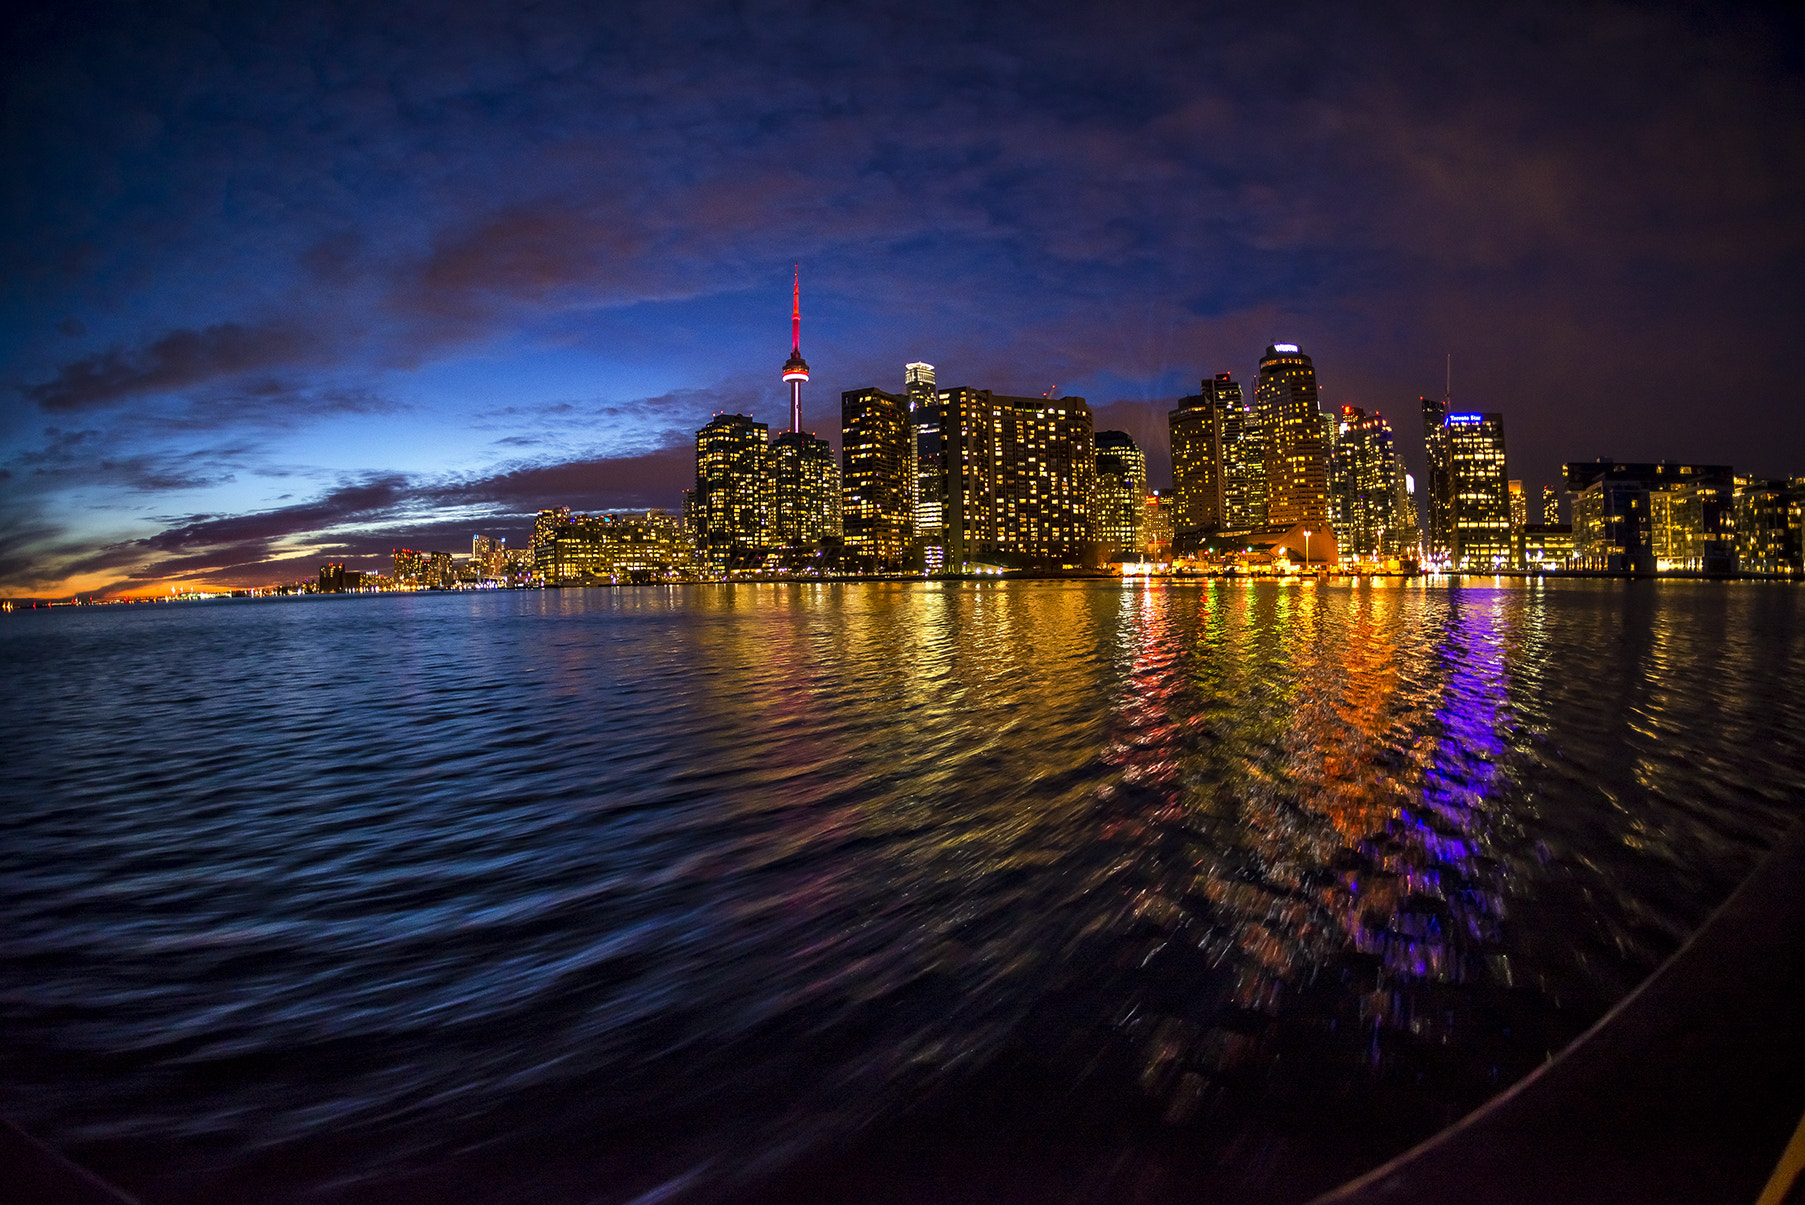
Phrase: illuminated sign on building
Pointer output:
(1290, 347)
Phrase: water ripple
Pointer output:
(1150, 891)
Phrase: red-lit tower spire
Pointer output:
(795, 371)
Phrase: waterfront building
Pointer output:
(1156, 526)
(1121, 494)
(874, 452)
(927, 467)
(1218, 472)
(1296, 460)
(332, 578)
(735, 492)
(1019, 479)
(412, 567)
(1519, 506)
(1546, 546)
(1368, 493)
(1439, 534)
(1551, 506)
(489, 557)
(598, 549)
(543, 526)
(805, 491)
(1196, 483)
(1478, 493)
(1656, 517)
(1768, 535)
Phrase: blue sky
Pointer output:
(305, 282)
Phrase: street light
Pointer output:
(1307, 550)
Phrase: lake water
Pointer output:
(1032, 891)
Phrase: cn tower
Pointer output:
(796, 370)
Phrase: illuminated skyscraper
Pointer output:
(806, 491)
(735, 492)
(927, 466)
(874, 449)
(1121, 493)
(1156, 525)
(1440, 483)
(1196, 480)
(1297, 470)
(412, 567)
(544, 528)
(1019, 478)
(1519, 506)
(795, 369)
(1218, 472)
(1478, 493)
(1368, 491)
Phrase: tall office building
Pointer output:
(874, 450)
(1121, 493)
(1297, 470)
(1019, 478)
(1407, 536)
(735, 500)
(1367, 489)
(544, 527)
(927, 466)
(1440, 535)
(806, 490)
(1196, 482)
(1519, 506)
(1478, 493)
(1218, 473)
(1551, 506)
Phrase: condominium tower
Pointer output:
(1019, 478)
(1121, 496)
(1285, 405)
(735, 496)
(874, 450)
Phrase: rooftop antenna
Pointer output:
(1448, 387)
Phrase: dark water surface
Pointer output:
(1035, 891)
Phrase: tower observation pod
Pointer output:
(795, 370)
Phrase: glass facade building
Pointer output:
(1121, 494)
(1291, 426)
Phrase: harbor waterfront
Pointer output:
(1150, 890)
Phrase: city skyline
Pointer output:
(294, 286)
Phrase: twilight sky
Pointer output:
(287, 283)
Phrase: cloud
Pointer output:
(178, 360)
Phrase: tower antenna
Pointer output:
(1448, 388)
